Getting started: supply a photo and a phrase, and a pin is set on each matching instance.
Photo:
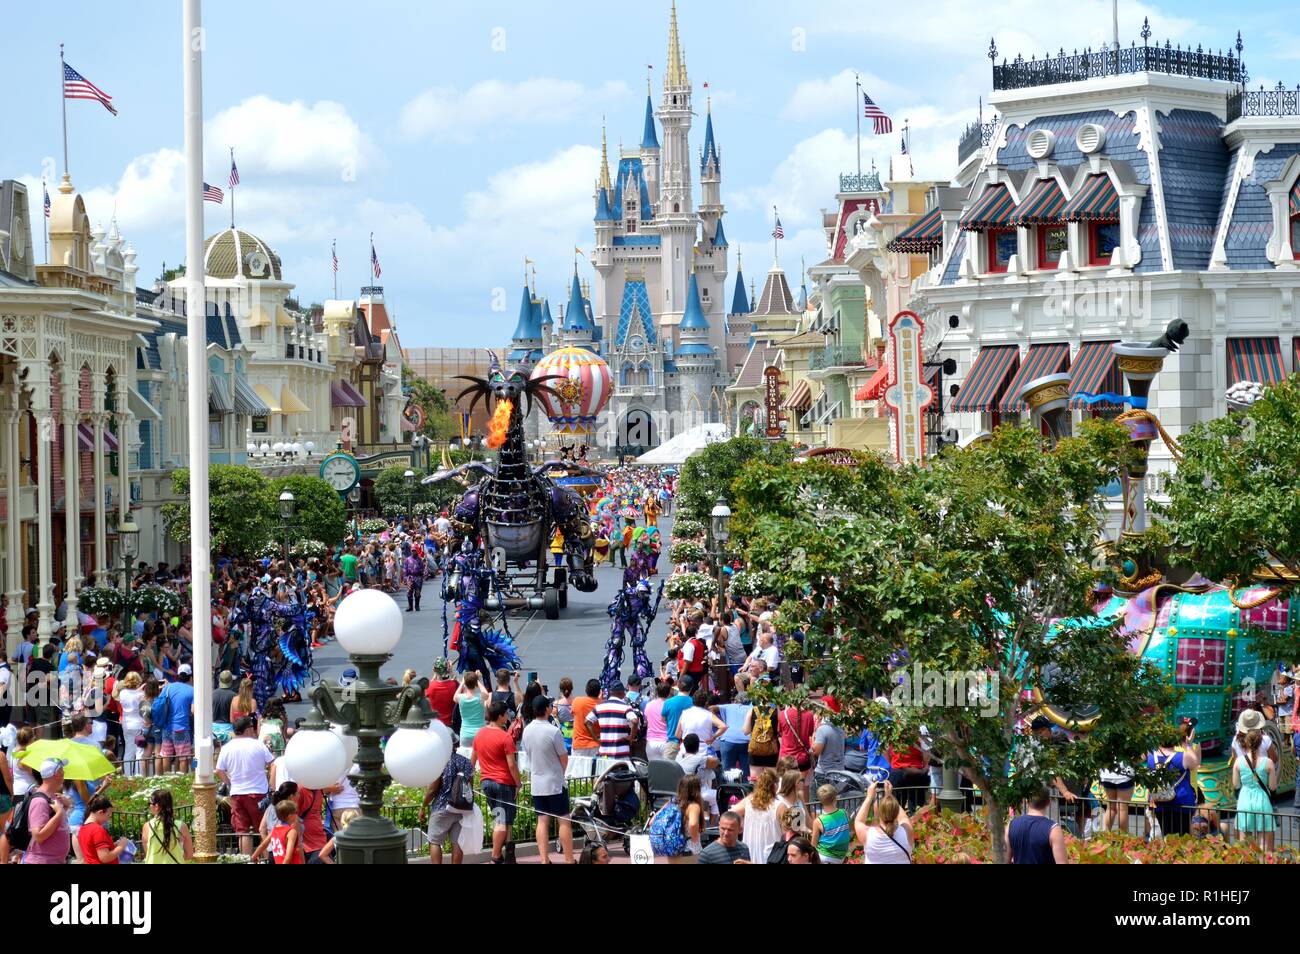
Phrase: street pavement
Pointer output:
(573, 645)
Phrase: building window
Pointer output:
(1103, 239)
(704, 293)
(1295, 236)
(1001, 246)
(259, 425)
(216, 433)
(631, 226)
(1052, 241)
(256, 333)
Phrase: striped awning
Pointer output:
(988, 379)
(357, 398)
(247, 402)
(1295, 355)
(290, 403)
(268, 398)
(800, 397)
(1096, 201)
(342, 394)
(1043, 205)
(1041, 359)
(1295, 199)
(219, 401)
(1095, 372)
(875, 386)
(922, 236)
(993, 210)
(86, 439)
(1254, 359)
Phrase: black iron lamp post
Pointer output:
(360, 716)
(128, 544)
(720, 519)
(288, 507)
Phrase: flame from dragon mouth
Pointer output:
(499, 424)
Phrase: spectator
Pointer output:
(887, 839)
(585, 741)
(728, 849)
(758, 812)
(672, 710)
(614, 722)
(47, 817)
(656, 729)
(831, 832)
(1035, 839)
(178, 734)
(547, 763)
(494, 755)
(445, 821)
(166, 841)
(242, 765)
(442, 690)
(97, 845)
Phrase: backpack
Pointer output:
(762, 738)
(19, 829)
(462, 792)
(667, 833)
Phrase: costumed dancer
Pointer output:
(631, 612)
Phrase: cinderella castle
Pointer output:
(655, 310)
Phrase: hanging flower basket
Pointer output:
(99, 601)
(157, 599)
(690, 586)
(686, 551)
(752, 583)
(684, 528)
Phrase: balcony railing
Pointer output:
(1278, 101)
(1074, 67)
(977, 136)
(860, 182)
(835, 356)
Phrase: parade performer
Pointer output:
(280, 660)
(467, 583)
(632, 612)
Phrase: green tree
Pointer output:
(320, 511)
(241, 507)
(710, 472)
(958, 568)
(1234, 501)
(440, 422)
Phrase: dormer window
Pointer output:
(1053, 240)
(1103, 239)
(1041, 212)
(1001, 245)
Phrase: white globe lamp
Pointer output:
(415, 757)
(368, 623)
(316, 759)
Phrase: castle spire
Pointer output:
(604, 157)
(675, 75)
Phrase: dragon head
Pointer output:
(505, 384)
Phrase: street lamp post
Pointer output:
(409, 477)
(721, 521)
(368, 625)
(128, 542)
(287, 509)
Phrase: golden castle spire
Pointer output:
(604, 158)
(675, 75)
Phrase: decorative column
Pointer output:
(46, 422)
(100, 419)
(1048, 400)
(71, 490)
(12, 464)
(124, 420)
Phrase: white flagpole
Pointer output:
(334, 265)
(205, 815)
(776, 217)
(232, 189)
(858, 106)
(64, 97)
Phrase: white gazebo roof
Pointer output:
(676, 450)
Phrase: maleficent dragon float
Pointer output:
(513, 509)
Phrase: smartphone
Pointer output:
(532, 677)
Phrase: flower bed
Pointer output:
(752, 583)
(686, 551)
(684, 528)
(690, 586)
(99, 601)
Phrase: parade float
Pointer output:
(513, 512)
(1197, 632)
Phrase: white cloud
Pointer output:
(805, 180)
(449, 113)
(835, 96)
(276, 138)
(147, 196)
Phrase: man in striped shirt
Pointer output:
(614, 722)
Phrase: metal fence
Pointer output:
(1278, 101)
(1088, 64)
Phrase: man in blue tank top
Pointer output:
(1035, 839)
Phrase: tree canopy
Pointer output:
(953, 575)
(241, 508)
(320, 511)
(710, 472)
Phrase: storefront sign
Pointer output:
(909, 396)
(772, 400)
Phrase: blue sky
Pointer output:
(466, 136)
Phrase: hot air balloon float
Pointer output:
(512, 513)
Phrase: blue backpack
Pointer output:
(667, 833)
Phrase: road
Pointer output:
(573, 645)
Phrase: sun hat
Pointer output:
(1250, 721)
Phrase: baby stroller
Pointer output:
(612, 809)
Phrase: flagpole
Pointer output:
(232, 189)
(45, 217)
(858, 107)
(776, 217)
(334, 266)
(205, 789)
(64, 96)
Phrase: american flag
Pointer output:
(374, 259)
(778, 232)
(234, 170)
(883, 124)
(334, 255)
(47, 198)
(76, 86)
(212, 194)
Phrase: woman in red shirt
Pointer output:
(97, 845)
(795, 729)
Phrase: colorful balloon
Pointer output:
(581, 395)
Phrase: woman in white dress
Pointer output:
(758, 811)
(130, 697)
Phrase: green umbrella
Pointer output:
(85, 762)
